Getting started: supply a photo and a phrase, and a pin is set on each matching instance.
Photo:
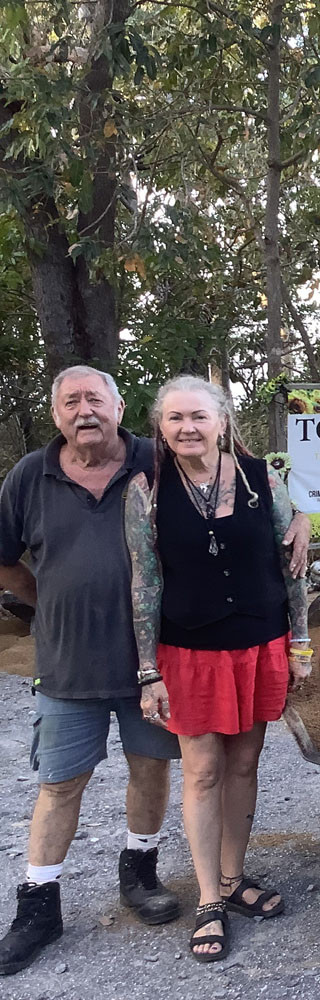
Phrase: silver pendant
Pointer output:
(213, 546)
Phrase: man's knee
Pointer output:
(148, 772)
(65, 791)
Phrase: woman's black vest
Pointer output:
(245, 577)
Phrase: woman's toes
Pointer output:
(270, 905)
(203, 949)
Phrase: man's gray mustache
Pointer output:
(87, 423)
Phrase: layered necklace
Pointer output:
(205, 499)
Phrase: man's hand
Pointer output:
(155, 703)
(298, 534)
(20, 581)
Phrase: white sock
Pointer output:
(142, 841)
(44, 873)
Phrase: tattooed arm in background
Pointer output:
(296, 588)
(146, 590)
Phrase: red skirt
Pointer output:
(224, 691)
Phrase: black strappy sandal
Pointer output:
(237, 904)
(205, 915)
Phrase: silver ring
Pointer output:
(155, 715)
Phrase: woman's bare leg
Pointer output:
(203, 760)
(239, 802)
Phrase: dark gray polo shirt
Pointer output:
(85, 645)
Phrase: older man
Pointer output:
(65, 504)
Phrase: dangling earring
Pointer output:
(164, 441)
(221, 440)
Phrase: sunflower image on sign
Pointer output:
(315, 399)
(280, 460)
(299, 401)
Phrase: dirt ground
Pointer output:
(120, 958)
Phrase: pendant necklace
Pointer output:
(205, 498)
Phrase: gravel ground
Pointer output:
(120, 957)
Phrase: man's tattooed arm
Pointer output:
(296, 588)
(146, 585)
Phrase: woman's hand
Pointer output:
(155, 703)
(299, 669)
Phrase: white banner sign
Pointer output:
(304, 448)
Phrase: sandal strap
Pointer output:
(206, 939)
(210, 912)
(247, 883)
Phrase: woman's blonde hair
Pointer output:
(222, 403)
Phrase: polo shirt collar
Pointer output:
(51, 464)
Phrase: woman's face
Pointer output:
(190, 423)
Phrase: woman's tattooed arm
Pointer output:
(296, 589)
(146, 585)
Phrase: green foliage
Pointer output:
(183, 109)
(315, 527)
(269, 390)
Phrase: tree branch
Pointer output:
(292, 107)
(231, 182)
(299, 325)
(240, 109)
(292, 159)
(164, 3)
(8, 413)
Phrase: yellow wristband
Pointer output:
(302, 652)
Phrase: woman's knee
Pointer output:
(244, 765)
(203, 776)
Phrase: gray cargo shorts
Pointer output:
(70, 736)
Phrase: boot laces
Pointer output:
(28, 911)
(147, 871)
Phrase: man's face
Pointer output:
(85, 411)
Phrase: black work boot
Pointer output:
(38, 922)
(141, 889)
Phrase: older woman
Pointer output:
(222, 667)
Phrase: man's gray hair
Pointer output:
(77, 370)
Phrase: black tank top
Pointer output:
(233, 600)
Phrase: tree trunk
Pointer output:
(77, 313)
(225, 374)
(26, 423)
(277, 427)
(54, 286)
